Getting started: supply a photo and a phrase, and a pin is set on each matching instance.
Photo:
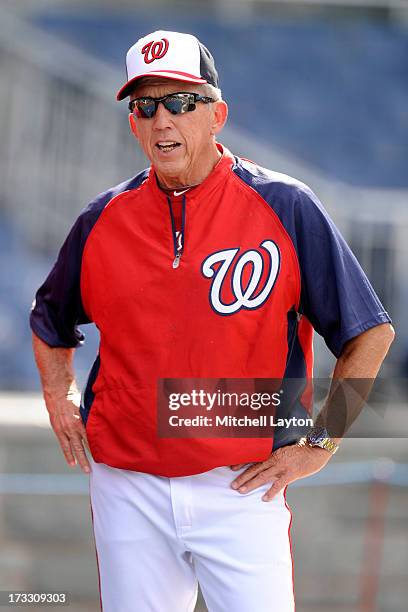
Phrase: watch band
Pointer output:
(326, 443)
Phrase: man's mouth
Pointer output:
(168, 145)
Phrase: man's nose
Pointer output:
(162, 118)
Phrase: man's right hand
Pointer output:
(67, 424)
(62, 399)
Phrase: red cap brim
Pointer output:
(165, 74)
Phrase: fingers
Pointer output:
(74, 451)
(254, 481)
(71, 435)
(241, 482)
(78, 451)
(66, 448)
(237, 467)
(284, 466)
(262, 473)
(85, 440)
(258, 480)
(277, 486)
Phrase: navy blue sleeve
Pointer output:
(57, 309)
(336, 295)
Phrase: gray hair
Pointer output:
(211, 91)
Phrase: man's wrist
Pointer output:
(61, 392)
(318, 437)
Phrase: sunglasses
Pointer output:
(176, 103)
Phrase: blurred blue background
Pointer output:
(317, 89)
(320, 94)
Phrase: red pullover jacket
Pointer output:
(262, 264)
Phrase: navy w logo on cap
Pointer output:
(171, 55)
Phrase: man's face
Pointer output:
(191, 133)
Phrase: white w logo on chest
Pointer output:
(252, 296)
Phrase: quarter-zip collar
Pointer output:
(193, 195)
(177, 246)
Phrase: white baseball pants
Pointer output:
(156, 537)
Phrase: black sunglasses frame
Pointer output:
(192, 100)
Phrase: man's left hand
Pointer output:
(285, 465)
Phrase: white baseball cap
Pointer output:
(171, 55)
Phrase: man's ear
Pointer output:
(132, 125)
(220, 114)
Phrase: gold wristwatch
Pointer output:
(318, 436)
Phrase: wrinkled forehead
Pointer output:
(157, 87)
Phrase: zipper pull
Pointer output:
(176, 261)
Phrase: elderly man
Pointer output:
(203, 266)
